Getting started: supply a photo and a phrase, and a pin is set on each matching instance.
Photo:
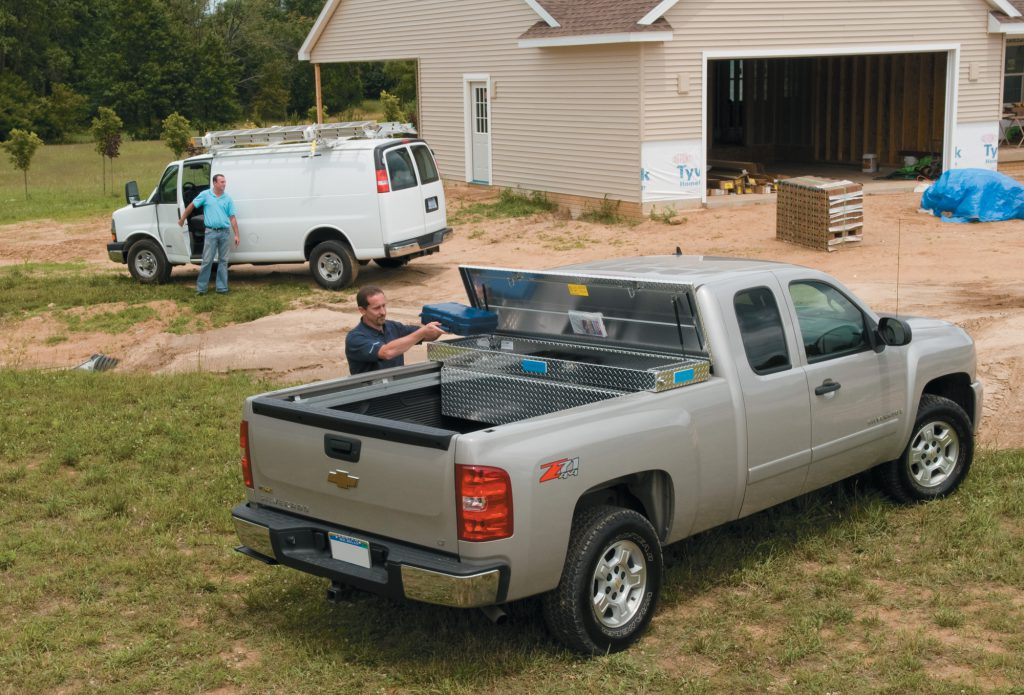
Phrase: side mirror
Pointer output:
(894, 331)
(131, 192)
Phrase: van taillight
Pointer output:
(382, 181)
(484, 500)
(243, 441)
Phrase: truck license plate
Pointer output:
(349, 549)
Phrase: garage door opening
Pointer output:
(825, 112)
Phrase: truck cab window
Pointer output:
(764, 339)
(167, 191)
(831, 325)
(400, 169)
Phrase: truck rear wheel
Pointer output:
(333, 266)
(610, 583)
(147, 263)
(938, 455)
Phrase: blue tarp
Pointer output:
(974, 195)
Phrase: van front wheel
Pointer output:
(333, 265)
(147, 263)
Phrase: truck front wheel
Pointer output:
(938, 455)
(147, 263)
(610, 583)
(333, 265)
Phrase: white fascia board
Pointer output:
(542, 13)
(830, 50)
(1005, 7)
(596, 39)
(318, 28)
(657, 12)
(1010, 28)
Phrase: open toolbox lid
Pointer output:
(641, 314)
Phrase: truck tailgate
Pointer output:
(359, 472)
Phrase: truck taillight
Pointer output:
(382, 181)
(484, 499)
(243, 441)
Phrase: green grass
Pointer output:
(119, 577)
(65, 182)
(66, 290)
(510, 203)
(606, 212)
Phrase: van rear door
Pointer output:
(431, 188)
(400, 196)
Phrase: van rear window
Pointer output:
(425, 163)
(400, 169)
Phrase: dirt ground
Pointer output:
(910, 262)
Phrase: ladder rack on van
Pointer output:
(323, 133)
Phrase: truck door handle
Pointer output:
(827, 386)
(341, 448)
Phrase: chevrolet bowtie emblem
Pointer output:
(342, 479)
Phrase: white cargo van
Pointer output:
(336, 196)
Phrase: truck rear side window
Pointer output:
(764, 338)
(425, 163)
(831, 325)
(400, 169)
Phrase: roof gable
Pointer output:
(565, 22)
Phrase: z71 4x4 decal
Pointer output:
(560, 469)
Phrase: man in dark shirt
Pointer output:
(377, 343)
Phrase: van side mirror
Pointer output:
(131, 192)
(894, 331)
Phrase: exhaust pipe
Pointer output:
(496, 614)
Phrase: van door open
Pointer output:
(175, 243)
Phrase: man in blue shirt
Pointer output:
(218, 217)
(377, 343)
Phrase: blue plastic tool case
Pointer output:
(459, 318)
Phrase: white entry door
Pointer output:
(480, 125)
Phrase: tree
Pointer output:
(21, 147)
(392, 107)
(106, 131)
(177, 133)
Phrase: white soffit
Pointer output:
(596, 39)
(542, 13)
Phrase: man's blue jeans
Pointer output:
(218, 243)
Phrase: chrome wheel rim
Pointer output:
(330, 267)
(619, 584)
(933, 454)
(145, 264)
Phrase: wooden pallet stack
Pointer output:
(820, 213)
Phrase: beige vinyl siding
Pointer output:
(564, 120)
(747, 25)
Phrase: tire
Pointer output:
(391, 263)
(333, 266)
(147, 263)
(938, 455)
(592, 610)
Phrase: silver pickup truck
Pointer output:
(616, 407)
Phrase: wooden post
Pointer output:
(319, 95)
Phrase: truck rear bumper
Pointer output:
(397, 570)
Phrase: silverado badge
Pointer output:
(342, 479)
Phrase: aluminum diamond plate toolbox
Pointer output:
(499, 399)
(571, 363)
